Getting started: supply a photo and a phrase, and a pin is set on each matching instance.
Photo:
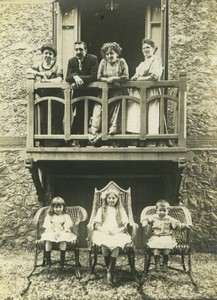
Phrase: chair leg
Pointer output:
(35, 263)
(131, 260)
(92, 261)
(190, 273)
(77, 263)
(183, 262)
(147, 260)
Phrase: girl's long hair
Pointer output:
(118, 206)
(54, 202)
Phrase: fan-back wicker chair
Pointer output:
(78, 214)
(94, 250)
(183, 238)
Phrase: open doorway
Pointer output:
(124, 25)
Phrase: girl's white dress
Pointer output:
(58, 228)
(150, 67)
(111, 223)
(163, 232)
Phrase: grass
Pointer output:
(54, 284)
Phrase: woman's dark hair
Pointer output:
(113, 45)
(55, 202)
(49, 47)
(149, 42)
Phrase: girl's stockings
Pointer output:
(62, 258)
(165, 262)
(157, 263)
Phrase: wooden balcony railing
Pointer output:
(172, 99)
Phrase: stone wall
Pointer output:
(198, 192)
(18, 200)
(24, 28)
(193, 48)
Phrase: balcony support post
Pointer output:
(182, 109)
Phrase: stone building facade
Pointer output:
(25, 26)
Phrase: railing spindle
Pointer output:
(143, 114)
(105, 113)
(67, 114)
(30, 110)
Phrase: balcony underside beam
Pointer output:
(107, 154)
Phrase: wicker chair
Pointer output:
(94, 250)
(183, 238)
(78, 214)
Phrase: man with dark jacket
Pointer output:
(82, 69)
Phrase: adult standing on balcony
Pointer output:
(112, 70)
(82, 69)
(148, 70)
(49, 70)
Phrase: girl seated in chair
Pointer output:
(163, 239)
(57, 226)
(110, 230)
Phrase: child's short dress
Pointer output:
(163, 229)
(110, 223)
(58, 229)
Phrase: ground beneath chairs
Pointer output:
(53, 284)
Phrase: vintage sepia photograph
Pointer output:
(108, 149)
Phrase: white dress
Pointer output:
(163, 232)
(58, 229)
(150, 67)
(110, 223)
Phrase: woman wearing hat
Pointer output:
(50, 71)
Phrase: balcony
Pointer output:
(51, 146)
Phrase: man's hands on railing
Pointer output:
(78, 80)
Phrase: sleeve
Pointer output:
(59, 70)
(98, 217)
(176, 224)
(124, 69)
(156, 68)
(124, 217)
(139, 70)
(47, 223)
(101, 69)
(35, 67)
(70, 72)
(68, 222)
(146, 220)
(92, 76)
